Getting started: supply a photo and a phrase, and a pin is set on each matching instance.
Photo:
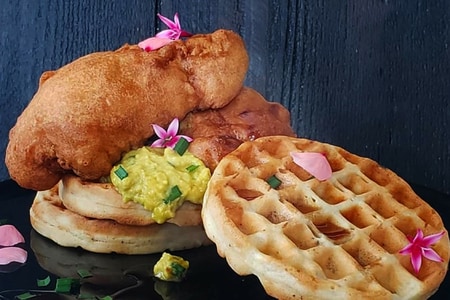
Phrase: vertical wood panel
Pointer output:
(370, 76)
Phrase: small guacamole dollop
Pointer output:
(160, 179)
(170, 267)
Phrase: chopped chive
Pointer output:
(274, 182)
(106, 298)
(121, 172)
(173, 194)
(192, 168)
(177, 269)
(181, 146)
(25, 296)
(66, 285)
(43, 282)
(84, 273)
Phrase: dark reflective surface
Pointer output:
(130, 277)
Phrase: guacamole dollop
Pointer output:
(160, 179)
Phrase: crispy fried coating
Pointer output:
(86, 114)
(217, 132)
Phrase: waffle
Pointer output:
(50, 218)
(310, 239)
(102, 201)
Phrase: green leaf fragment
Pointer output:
(121, 172)
(43, 282)
(274, 182)
(84, 273)
(181, 146)
(173, 194)
(177, 269)
(192, 168)
(66, 285)
(106, 298)
(25, 296)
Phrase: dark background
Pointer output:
(371, 76)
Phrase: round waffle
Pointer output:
(102, 201)
(52, 219)
(310, 239)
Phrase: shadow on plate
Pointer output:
(131, 276)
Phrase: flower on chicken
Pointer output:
(314, 163)
(420, 246)
(166, 36)
(170, 137)
(9, 237)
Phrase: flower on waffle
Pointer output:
(314, 163)
(166, 36)
(170, 137)
(419, 246)
(9, 237)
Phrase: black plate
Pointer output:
(209, 276)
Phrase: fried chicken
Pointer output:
(217, 132)
(85, 115)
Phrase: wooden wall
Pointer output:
(369, 75)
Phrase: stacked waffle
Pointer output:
(94, 217)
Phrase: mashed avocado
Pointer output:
(160, 179)
(170, 267)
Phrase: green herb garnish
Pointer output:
(173, 194)
(25, 296)
(192, 168)
(181, 146)
(273, 181)
(177, 269)
(43, 282)
(84, 273)
(66, 285)
(121, 172)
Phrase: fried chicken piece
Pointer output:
(85, 115)
(217, 132)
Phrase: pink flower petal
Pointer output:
(10, 236)
(419, 236)
(432, 239)
(431, 255)
(12, 254)
(158, 143)
(416, 261)
(169, 34)
(169, 22)
(160, 132)
(407, 249)
(154, 43)
(314, 163)
(176, 21)
(187, 138)
(172, 130)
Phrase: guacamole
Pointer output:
(160, 179)
(170, 267)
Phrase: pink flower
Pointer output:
(166, 36)
(168, 138)
(314, 163)
(420, 246)
(10, 236)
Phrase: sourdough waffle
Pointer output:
(102, 201)
(310, 239)
(52, 219)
